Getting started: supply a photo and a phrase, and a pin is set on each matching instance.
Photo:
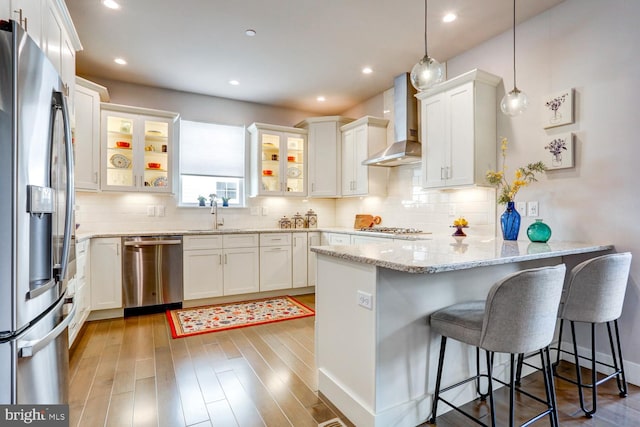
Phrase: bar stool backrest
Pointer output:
(596, 288)
(521, 310)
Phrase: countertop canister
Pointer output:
(311, 219)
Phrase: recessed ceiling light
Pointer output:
(449, 17)
(250, 32)
(234, 82)
(321, 98)
(367, 70)
(111, 4)
(120, 61)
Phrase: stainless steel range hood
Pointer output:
(406, 149)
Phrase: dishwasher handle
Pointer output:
(153, 243)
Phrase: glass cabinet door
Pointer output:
(294, 164)
(270, 144)
(119, 151)
(156, 154)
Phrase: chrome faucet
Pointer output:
(217, 221)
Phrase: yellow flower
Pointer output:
(522, 176)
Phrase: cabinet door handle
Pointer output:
(25, 23)
(95, 177)
(313, 187)
(220, 259)
(449, 173)
(225, 258)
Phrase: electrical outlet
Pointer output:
(452, 209)
(365, 300)
(161, 210)
(532, 208)
(265, 211)
(151, 211)
(521, 207)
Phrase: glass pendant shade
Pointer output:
(514, 103)
(426, 73)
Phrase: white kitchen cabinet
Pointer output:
(82, 290)
(203, 268)
(86, 135)
(241, 260)
(60, 43)
(217, 265)
(278, 161)
(241, 271)
(138, 146)
(28, 13)
(325, 155)
(336, 239)
(360, 139)
(275, 261)
(49, 24)
(314, 239)
(459, 130)
(365, 240)
(106, 273)
(299, 260)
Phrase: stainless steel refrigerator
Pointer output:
(36, 211)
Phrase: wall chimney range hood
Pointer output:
(406, 149)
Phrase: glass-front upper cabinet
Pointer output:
(138, 146)
(278, 160)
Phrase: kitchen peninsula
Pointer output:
(375, 354)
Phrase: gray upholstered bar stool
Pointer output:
(519, 316)
(595, 294)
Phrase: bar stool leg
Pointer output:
(549, 387)
(483, 396)
(621, 377)
(492, 406)
(512, 391)
(557, 362)
(519, 370)
(587, 413)
(436, 395)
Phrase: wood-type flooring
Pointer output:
(130, 372)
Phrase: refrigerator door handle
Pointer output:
(30, 348)
(60, 103)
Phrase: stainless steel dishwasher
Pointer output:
(151, 274)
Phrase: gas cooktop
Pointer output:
(391, 230)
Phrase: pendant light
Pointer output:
(516, 101)
(427, 72)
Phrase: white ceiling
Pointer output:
(303, 48)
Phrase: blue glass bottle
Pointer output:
(539, 232)
(510, 222)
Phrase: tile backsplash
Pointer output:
(406, 205)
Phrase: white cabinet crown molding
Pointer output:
(476, 75)
(102, 91)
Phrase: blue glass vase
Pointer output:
(510, 222)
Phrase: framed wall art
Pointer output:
(558, 109)
(559, 150)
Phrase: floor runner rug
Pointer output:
(186, 322)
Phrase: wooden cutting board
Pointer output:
(366, 221)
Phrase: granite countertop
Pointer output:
(440, 253)
(88, 235)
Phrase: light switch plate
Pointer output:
(151, 211)
(521, 207)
